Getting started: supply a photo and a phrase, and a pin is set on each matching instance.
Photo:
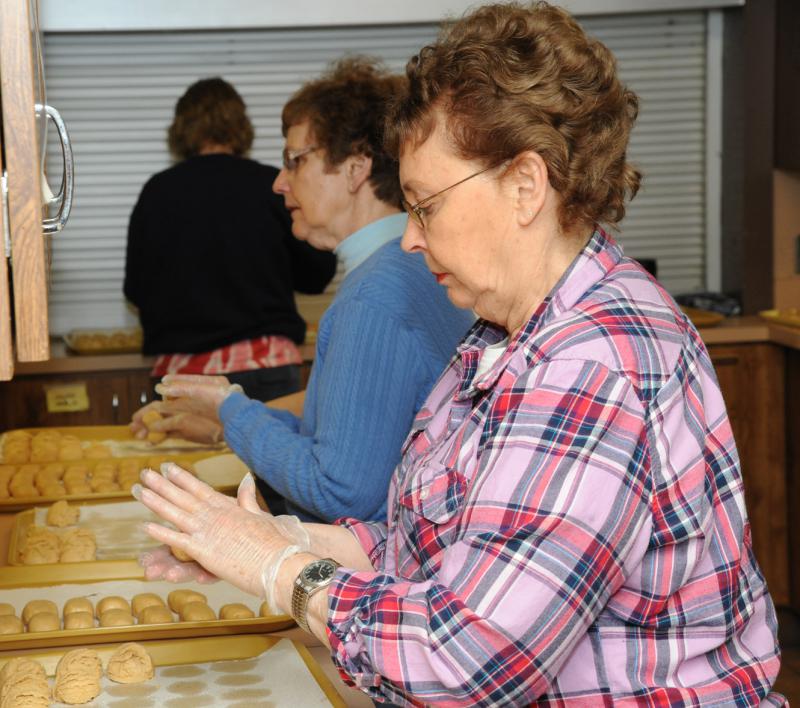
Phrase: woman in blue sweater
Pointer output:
(381, 345)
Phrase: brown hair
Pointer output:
(211, 111)
(346, 108)
(511, 78)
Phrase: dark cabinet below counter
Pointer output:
(76, 398)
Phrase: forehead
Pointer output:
(299, 135)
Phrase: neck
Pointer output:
(364, 209)
(215, 149)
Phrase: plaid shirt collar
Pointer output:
(592, 264)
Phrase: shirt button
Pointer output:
(424, 493)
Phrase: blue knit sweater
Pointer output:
(381, 346)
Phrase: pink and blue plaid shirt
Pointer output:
(569, 528)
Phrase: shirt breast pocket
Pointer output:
(435, 493)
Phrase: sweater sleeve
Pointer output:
(135, 268)
(367, 391)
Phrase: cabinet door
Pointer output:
(23, 165)
(6, 348)
(751, 377)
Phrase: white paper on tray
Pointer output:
(277, 677)
(117, 528)
(218, 594)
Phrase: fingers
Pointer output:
(199, 490)
(246, 495)
(169, 502)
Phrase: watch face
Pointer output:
(319, 572)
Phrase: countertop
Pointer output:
(734, 330)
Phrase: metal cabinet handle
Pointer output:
(64, 196)
(143, 397)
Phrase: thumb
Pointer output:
(246, 494)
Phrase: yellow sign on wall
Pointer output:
(67, 398)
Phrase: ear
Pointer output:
(358, 168)
(530, 178)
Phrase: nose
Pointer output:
(281, 183)
(413, 240)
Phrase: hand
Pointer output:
(230, 538)
(201, 395)
(177, 421)
(160, 564)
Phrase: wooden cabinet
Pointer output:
(753, 382)
(787, 80)
(113, 397)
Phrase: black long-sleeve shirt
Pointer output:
(211, 259)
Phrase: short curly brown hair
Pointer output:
(346, 108)
(511, 78)
(211, 111)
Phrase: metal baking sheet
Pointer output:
(237, 670)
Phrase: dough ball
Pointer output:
(116, 618)
(44, 622)
(6, 609)
(155, 614)
(62, 514)
(130, 663)
(34, 607)
(79, 620)
(23, 491)
(96, 451)
(106, 488)
(112, 602)
(54, 490)
(78, 677)
(77, 489)
(145, 599)
(181, 555)
(156, 436)
(23, 684)
(11, 624)
(235, 611)
(151, 417)
(70, 453)
(78, 604)
(178, 598)
(197, 612)
(263, 610)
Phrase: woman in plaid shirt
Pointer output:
(567, 523)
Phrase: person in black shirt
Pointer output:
(211, 262)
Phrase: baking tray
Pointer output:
(117, 530)
(223, 671)
(218, 594)
(790, 316)
(104, 341)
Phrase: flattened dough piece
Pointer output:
(155, 614)
(197, 612)
(130, 663)
(78, 677)
(235, 611)
(112, 602)
(116, 618)
(79, 620)
(44, 622)
(11, 624)
(6, 609)
(34, 607)
(78, 604)
(145, 599)
(178, 598)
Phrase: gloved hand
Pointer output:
(177, 420)
(201, 395)
(160, 564)
(232, 539)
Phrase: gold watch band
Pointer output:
(302, 592)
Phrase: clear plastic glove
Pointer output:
(230, 538)
(200, 395)
(177, 420)
(160, 564)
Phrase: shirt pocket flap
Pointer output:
(435, 493)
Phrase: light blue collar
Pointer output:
(360, 245)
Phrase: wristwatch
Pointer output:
(316, 575)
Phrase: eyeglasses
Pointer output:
(417, 211)
(291, 158)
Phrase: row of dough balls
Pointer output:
(23, 681)
(72, 545)
(116, 611)
(20, 446)
(56, 479)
